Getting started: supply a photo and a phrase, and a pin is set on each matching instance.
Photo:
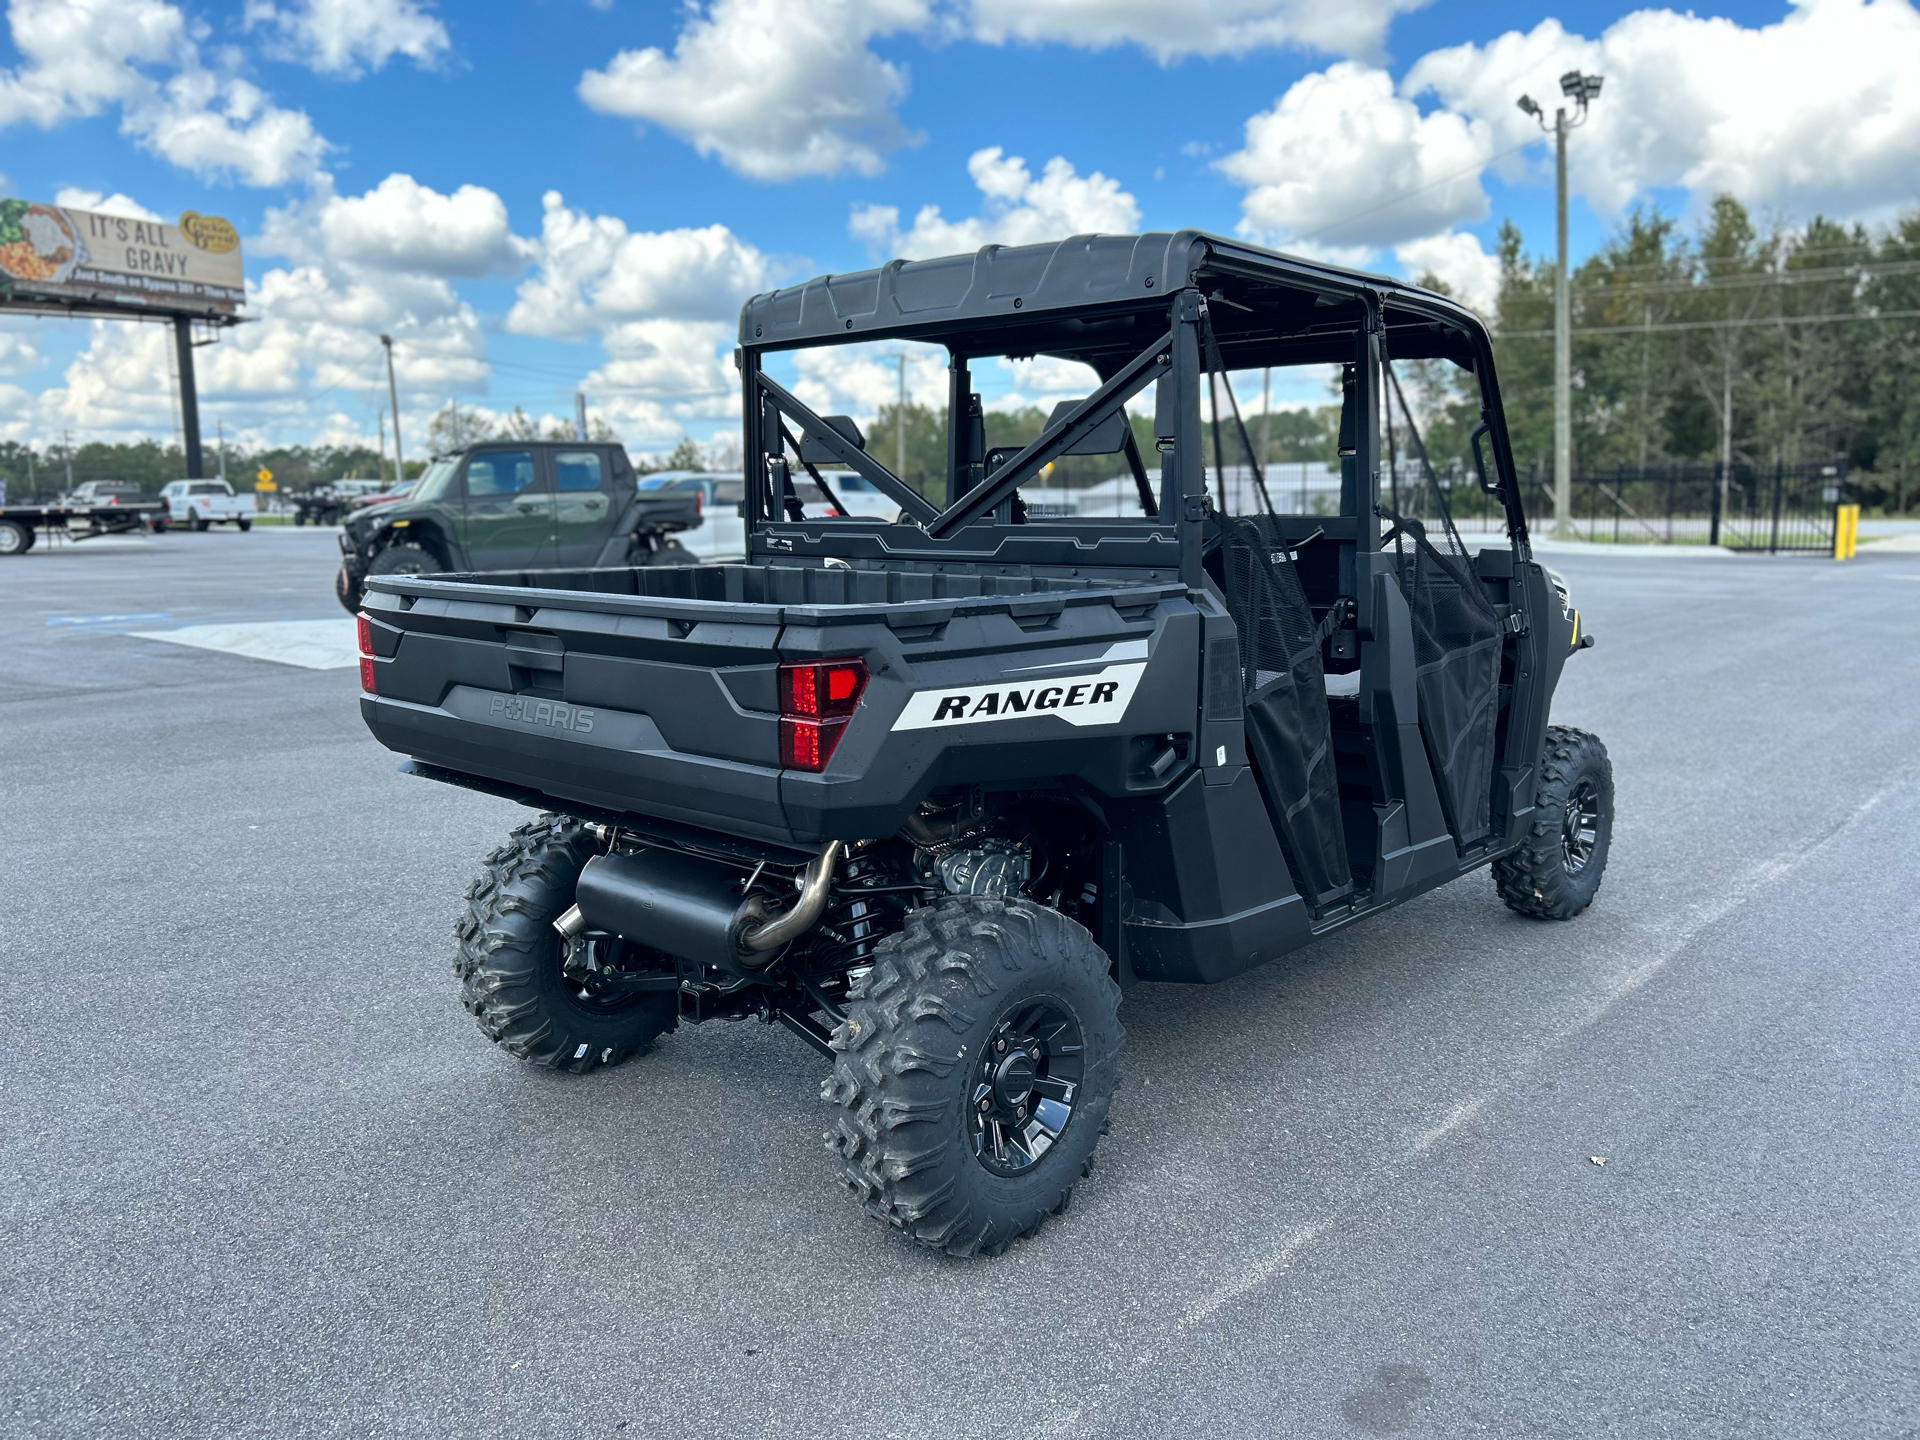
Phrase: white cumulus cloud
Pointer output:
(1196, 27)
(83, 57)
(80, 56)
(1816, 113)
(1820, 111)
(1342, 161)
(72, 197)
(594, 273)
(345, 37)
(402, 225)
(775, 89)
(18, 353)
(1457, 260)
(1016, 209)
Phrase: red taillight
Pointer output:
(363, 628)
(815, 701)
(699, 504)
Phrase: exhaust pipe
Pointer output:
(806, 910)
(691, 908)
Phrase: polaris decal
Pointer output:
(543, 712)
(1097, 699)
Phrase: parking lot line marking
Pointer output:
(309, 644)
(150, 617)
(1256, 1274)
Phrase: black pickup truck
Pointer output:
(516, 506)
(930, 791)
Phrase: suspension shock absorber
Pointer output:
(856, 921)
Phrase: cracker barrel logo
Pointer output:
(208, 232)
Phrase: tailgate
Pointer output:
(663, 707)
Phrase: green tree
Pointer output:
(685, 456)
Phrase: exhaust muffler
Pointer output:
(691, 907)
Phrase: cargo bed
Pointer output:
(654, 691)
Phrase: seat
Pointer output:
(1289, 734)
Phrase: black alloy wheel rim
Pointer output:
(1025, 1085)
(1580, 827)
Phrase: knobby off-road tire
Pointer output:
(510, 956)
(1556, 872)
(908, 1072)
(404, 560)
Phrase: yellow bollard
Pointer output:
(1846, 531)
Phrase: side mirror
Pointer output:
(1476, 438)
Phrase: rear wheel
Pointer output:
(1556, 872)
(197, 523)
(977, 1062)
(513, 962)
(244, 523)
(347, 590)
(15, 538)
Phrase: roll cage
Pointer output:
(1173, 310)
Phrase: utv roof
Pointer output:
(1103, 297)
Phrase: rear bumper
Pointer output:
(590, 756)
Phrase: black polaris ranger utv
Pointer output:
(931, 791)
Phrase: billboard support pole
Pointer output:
(189, 400)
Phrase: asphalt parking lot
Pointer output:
(260, 1174)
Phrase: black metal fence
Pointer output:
(1778, 509)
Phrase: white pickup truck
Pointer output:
(200, 503)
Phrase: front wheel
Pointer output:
(403, 560)
(197, 523)
(976, 1064)
(348, 590)
(15, 538)
(514, 964)
(1556, 872)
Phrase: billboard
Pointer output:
(72, 257)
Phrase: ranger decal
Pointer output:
(1097, 699)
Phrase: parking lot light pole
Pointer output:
(393, 398)
(1582, 90)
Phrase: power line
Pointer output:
(1757, 281)
(1863, 317)
(1405, 195)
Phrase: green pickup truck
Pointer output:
(517, 506)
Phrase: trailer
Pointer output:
(21, 526)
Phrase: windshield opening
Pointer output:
(433, 483)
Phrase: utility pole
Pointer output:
(393, 398)
(220, 430)
(1266, 420)
(66, 454)
(900, 422)
(580, 415)
(380, 419)
(1582, 90)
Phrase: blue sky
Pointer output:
(387, 165)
